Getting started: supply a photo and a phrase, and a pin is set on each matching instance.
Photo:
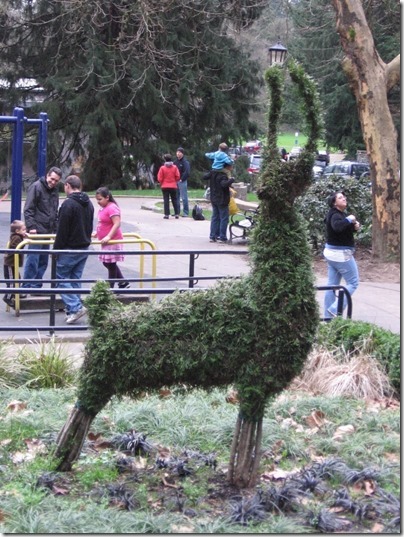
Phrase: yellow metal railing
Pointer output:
(128, 238)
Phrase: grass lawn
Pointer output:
(158, 464)
(193, 193)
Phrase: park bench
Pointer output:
(241, 223)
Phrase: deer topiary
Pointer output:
(254, 333)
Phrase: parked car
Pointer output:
(295, 152)
(253, 146)
(346, 168)
(322, 156)
(255, 164)
(318, 168)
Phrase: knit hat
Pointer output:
(181, 150)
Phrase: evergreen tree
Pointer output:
(133, 78)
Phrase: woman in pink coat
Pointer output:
(168, 177)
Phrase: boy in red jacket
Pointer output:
(168, 177)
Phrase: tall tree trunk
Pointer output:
(370, 79)
(245, 454)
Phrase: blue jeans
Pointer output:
(336, 271)
(35, 266)
(219, 222)
(70, 267)
(183, 195)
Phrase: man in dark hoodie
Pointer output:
(75, 225)
(40, 214)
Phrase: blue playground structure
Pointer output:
(19, 120)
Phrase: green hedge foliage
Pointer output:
(354, 335)
(313, 207)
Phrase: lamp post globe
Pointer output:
(277, 54)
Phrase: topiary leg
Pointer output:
(71, 438)
(245, 454)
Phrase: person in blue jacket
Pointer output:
(220, 157)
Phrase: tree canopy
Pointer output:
(126, 81)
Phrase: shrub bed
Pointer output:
(382, 344)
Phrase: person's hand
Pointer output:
(94, 234)
(357, 225)
(105, 239)
(352, 218)
(32, 231)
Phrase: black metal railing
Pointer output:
(157, 285)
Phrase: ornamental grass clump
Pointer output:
(47, 364)
(11, 369)
(253, 333)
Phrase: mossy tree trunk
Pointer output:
(71, 438)
(245, 454)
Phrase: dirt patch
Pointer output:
(369, 270)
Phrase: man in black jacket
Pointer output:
(185, 169)
(75, 225)
(220, 183)
(40, 214)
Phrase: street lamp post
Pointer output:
(277, 54)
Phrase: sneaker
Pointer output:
(166, 217)
(9, 301)
(123, 285)
(73, 317)
(184, 216)
(177, 216)
(212, 240)
(222, 240)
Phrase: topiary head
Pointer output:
(99, 303)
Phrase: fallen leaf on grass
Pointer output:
(59, 491)
(164, 392)
(342, 431)
(34, 447)
(119, 504)
(5, 442)
(316, 419)
(168, 484)
(182, 529)
(140, 463)
(377, 528)
(368, 485)
(164, 452)
(278, 474)
(16, 406)
(392, 457)
(19, 457)
(232, 397)
(288, 422)
(93, 436)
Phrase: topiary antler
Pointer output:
(282, 182)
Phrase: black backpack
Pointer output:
(197, 213)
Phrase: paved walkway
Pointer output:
(378, 303)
